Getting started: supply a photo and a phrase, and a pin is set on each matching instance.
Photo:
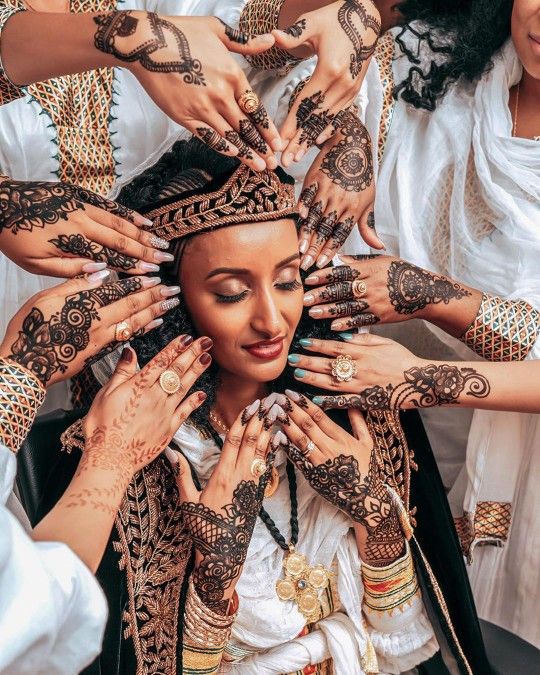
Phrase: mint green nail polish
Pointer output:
(305, 342)
(293, 358)
(318, 400)
(299, 373)
(347, 336)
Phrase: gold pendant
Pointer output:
(302, 583)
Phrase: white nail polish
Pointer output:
(154, 324)
(309, 299)
(312, 279)
(93, 267)
(307, 262)
(98, 276)
(303, 246)
(322, 261)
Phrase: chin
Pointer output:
(266, 371)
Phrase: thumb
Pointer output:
(366, 226)
(358, 424)
(182, 473)
(239, 42)
(125, 368)
(294, 36)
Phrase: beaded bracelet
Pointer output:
(21, 395)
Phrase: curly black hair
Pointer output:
(463, 37)
(171, 171)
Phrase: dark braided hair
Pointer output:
(462, 37)
(197, 164)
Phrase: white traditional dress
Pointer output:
(458, 195)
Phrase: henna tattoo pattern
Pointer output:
(25, 205)
(360, 320)
(423, 387)
(80, 246)
(341, 290)
(364, 498)
(249, 134)
(309, 194)
(349, 163)
(348, 308)
(371, 220)
(347, 13)
(411, 288)
(260, 117)
(213, 139)
(342, 273)
(341, 232)
(223, 540)
(45, 347)
(243, 150)
(309, 224)
(235, 35)
(325, 227)
(296, 29)
(116, 26)
(310, 119)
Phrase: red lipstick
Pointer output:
(266, 349)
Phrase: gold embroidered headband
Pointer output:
(246, 196)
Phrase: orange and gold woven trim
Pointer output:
(391, 587)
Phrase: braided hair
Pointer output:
(193, 164)
(460, 39)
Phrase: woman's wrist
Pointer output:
(99, 487)
(455, 316)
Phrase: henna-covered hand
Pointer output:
(63, 230)
(343, 35)
(185, 66)
(390, 289)
(60, 330)
(221, 518)
(343, 470)
(388, 376)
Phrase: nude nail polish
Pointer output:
(307, 262)
(161, 256)
(150, 282)
(309, 299)
(94, 267)
(148, 267)
(322, 261)
(168, 291)
(98, 276)
(315, 312)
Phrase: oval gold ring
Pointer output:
(169, 382)
(344, 368)
(248, 102)
(359, 288)
(258, 467)
(122, 332)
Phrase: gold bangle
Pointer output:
(202, 626)
(503, 330)
(21, 395)
(259, 17)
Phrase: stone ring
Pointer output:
(169, 382)
(122, 331)
(359, 288)
(344, 368)
(310, 447)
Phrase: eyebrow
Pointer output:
(239, 270)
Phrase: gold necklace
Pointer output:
(516, 111)
(219, 424)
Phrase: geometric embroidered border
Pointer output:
(503, 330)
(384, 55)
(21, 394)
(489, 525)
(390, 587)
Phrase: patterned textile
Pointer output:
(384, 55)
(21, 394)
(391, 587)
(489, 524)
(503, 330)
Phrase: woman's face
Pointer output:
(242, 287)
(526, 34)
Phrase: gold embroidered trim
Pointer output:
(488, 525)
(503, 330)
(259, 17)
(392, 587)
(8, 91)
(247, 196)
(384, 54)
(21, 395)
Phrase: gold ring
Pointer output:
(359, 288)
(258, 467)
(344, 368)
(310, 447)
(169, 381)
(122, 331)
(248, 102)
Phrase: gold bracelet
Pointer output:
(259, 17)
(202, 626)
(503, 330)
(21, 395)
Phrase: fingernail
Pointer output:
(346, 336)
(287, 158)
(337, 325)
(284, 402)
(276, 144)
(93, 267)
(201, 396)
(299, 373)
(309, 299)
(293, 395)
(154, 324)
(318, 400)
(206, 343)
(304, 211)
(307, 262)
(276, 440)
(186, 340)
(168, 291)
(322, 261)
(305, 342)
(205, 359)
(303, 247)
(250, 411)
(312, 279)
(268, 402)
(293, 358)
(299, 154)
(161, 256)
(259, 164)
(149, 282)
(172, 456)
(158, 242)
(271, 163)
(141, 220)
(98, 276)
(127, 355)
(315, 312)
(148, 267)
(275, 412)
(169, 304)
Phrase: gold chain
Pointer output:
(215, 419)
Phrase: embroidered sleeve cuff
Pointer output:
(8, 91)
(21, 395)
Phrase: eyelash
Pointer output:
(285, 286)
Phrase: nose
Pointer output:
(267, 319)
